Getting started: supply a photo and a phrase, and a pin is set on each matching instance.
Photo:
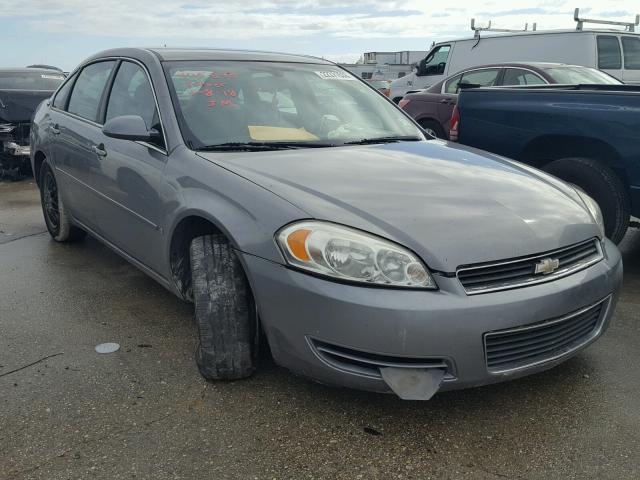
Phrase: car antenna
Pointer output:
(628, 26)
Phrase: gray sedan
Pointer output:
(294, 204)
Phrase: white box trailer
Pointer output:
(613, 51)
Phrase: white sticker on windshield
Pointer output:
(53, 77)
(335, 75)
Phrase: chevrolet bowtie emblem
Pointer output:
(547, 266)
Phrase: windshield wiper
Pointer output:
(368, 141)
(260, 146)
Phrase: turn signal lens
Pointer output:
(296, 243)
(349, 254)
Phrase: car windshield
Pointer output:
(30, 80)
(580, 75)
(235, 104)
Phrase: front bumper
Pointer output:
(301, 313)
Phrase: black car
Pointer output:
(21, 91)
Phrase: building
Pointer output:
(385, 65)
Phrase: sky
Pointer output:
(64, 32)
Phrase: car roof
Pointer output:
(489, 34)
(177, 54)
(49, 71)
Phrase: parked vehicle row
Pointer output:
(281, 194)
(614, 52)
(432, 108)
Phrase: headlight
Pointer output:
(593, 208)
(348, 254)
(6, 128)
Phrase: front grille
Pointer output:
(369, 364)
(523, 347)
(522, 272)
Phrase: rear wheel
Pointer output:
(224, 310)
(56, 217)
(603, 185)
(433, 128)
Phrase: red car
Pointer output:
(432, 107)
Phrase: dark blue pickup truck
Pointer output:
(586, 135)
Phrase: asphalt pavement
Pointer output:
(67, 412)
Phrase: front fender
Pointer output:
(248, 214)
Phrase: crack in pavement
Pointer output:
(30, 364)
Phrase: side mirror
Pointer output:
(422, 67)
(129, 127)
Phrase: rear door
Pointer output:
(130, 178)
(79, 134)
(482, 77)
(610, 55)
(631, 54)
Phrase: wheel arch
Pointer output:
(38, 159)
(545, 149)
(189, 225)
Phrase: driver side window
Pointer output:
(436, 61)
(132, 95)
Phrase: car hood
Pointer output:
(450, 204)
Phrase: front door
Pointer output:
(131, 174)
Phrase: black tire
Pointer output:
(224, 310)
(435, 127)
(603, 185)
(56, 217)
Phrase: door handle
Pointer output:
(445, 100)
(99, 150)
(54, 129)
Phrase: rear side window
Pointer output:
(88, 90)
(517, 76)
(631, 47)
(609, 55)
(63, 94)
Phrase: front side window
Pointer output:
(436, 61)
(631, 47)
(480, 78)
(452, 85)
(574, 75)
(609, 56)
(518, 76)
(131, 94)
(221, 102)
(88, 89)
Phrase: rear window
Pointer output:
(30, 80)
(631, 46)
(580, 75)
(609, 55)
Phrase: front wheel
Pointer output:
(224, 309)
(603, 185)
(56, 217)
